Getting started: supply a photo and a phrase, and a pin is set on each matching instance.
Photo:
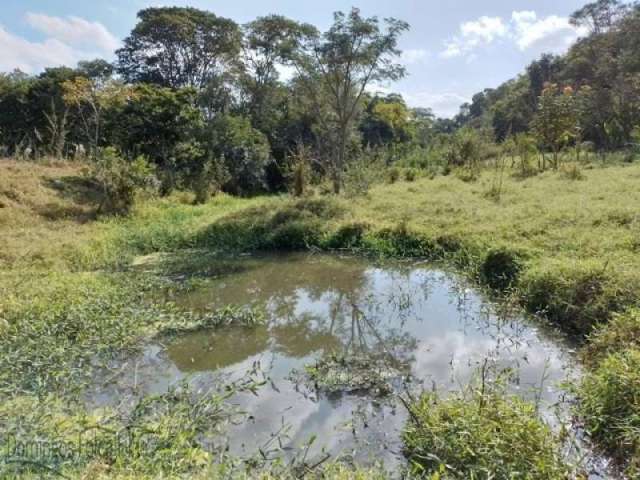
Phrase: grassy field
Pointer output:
(566, 247)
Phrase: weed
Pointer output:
(571, 171)
(480, 434)
(610, 406)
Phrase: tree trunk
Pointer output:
(339, 160)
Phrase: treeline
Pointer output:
(196, 101)
(202, 101)
(591, 94)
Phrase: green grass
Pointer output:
(481, 435)
(610, 407)
(566, 246)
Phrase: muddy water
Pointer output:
(425, 319)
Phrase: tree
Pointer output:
(599, 16)
(245, 152)
(555, 122)
(163, 125)
(387, 121)
(91, 98)
(269, 42)
(98, 70)
(338, 65)
(178, 47)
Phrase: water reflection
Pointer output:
(413, 315)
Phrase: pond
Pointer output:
(418, 327)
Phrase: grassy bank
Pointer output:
(565, 248)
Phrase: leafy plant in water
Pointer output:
(355, 372)
(481, 433)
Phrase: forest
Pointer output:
(233, 224)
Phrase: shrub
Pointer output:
(467, 174)
(399, 241)
(610, 406)
(393, 175)
(347, 236)
(300, 170)
(120, 180)
(209, 179)
(361, 174)
(571, 171)
(245, 151)
(410, 175)
(292, 225)
(500, 268)
(480, 435)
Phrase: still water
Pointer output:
(426, 320)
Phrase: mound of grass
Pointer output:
(355, 373)
(480, 435)
(285, 225)
(610, 406)
(500, 268)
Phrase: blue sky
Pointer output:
(455, 47)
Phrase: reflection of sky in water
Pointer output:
(318, 304)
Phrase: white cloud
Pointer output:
(550, 34)
(74, 31)
(474, 34)
(67, 42)
(30, 57)
(414, 55)
(443, 104)
(484, 29)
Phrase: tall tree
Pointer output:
(269, 43)
(337, 66)
(599, 16)
(178, 47)
(91, 98)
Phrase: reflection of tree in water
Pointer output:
(208, 351)
(300, 337)
(316, 304)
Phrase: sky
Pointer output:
(455, 48)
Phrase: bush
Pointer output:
(610, 406)
(292, 225)
(410, 175)
(348, 236)
(246, 153)
(571, 171)
(209, 179)
(500, 268)
(299, 173)
(361, 174)
(120, 180)
(481, 435)
(467, 174)
(393, 175)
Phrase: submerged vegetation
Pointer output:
(355, 373)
